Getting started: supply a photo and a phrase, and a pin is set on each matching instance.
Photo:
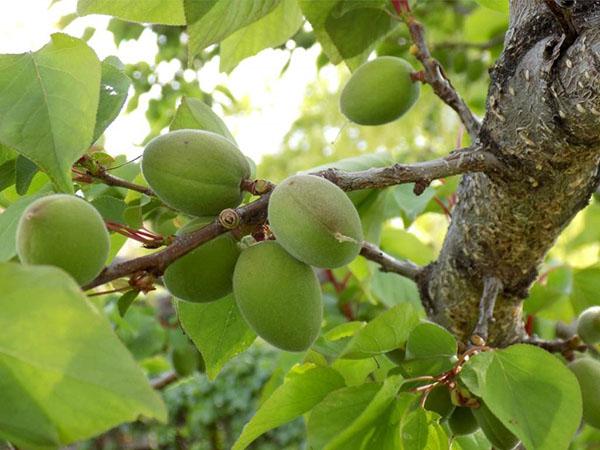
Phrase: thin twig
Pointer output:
(111, 180)
(389, 263)
(558, 345)
(164, 380)
(491, 288)
(255, 213)
(434, 73)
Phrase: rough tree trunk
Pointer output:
(543, 122)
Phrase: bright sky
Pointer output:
(27, 25)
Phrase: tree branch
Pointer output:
(256, 212)
(164, 380)
(111, 180)
(434, 73)
(558, 345)
(389, 263)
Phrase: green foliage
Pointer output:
(197, 172)
(439, 401)
(169, 12)
(498, 435)
(195, 114)
(315, 221)
(379, 92)
(70, 381)
(217, 329)
(204, 274)
(278, 296)
(64, 121)
(64, 231)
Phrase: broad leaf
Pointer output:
(64, 374)
(9, 220)
(586, 285)
(210, 22)
(114, 85)
(354, 431)
(7, 173)
(496, 5)
(167, 12)
(25, 170)
(337, 411)
(272, 30)
(420, 431)
(305, 387)
(195, 114)
(48, 104)
(217, 329)
(430, 339)
(534, 395)
(386, 332)
(345, 28)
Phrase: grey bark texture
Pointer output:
(543, 123)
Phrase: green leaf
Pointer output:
(337, 411)
(392, 290)
(110, 208)
(354, 431)
(9, 220)
(217, 329)
(7, 173)
(114, 85)
(473, 373)
(586, 285)
(25, 170)
(212, 21)
(306, 386)
(272, 30)
(403, 202)
(386, 434)
(430, 339)
(126, 300)
(64, 374)
(386, 332)
(496, 5)
(420, 431)
(48, 104)
(347, 29)
(195, 114)
(534, 395)
(555, 286)
(166, 12)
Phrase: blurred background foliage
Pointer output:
(209, 415)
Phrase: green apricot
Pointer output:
(205, 274)
(587, 371)
(495, 431)
(462, 422)
(315, 221)
(278, 296)
(439, 401)
(64, 231)
(379, 92)
(588, 325)
(195, 171)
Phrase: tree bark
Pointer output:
(543, 123)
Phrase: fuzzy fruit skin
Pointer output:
(498, 435)
(205, 274)
(462, 422)
(195, 171)
(379, 92)
(588, 325)
(587, 371)
(278, 296)
(64, 231)
(439, 401)
(306, 213)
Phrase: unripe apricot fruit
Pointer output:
(499, 436)
(204, 274)
(588, 325)
(278, 296)
(462, 422)
(587, 371)
(195, 171)
(315, 221)
(379, 92)
(64, 231)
